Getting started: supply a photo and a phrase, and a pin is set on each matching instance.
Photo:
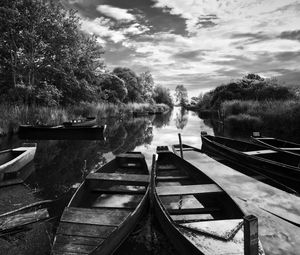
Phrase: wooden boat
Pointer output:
(105, 208)
(87, 122)
(13, 160)
(61, 132)
(196, 214)
(276, 165)
(277, 144)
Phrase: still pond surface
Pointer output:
(58, 165)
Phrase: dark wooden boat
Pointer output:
(87, 122)
(106, 208)
(277, 165)
(196, 214)
(13, 160)
(61, 132)
(277, 144)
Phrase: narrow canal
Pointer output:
(59, 165)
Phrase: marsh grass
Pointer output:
(277, 118)
(11, 116)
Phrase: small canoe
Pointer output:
(277, 144)
(106, 208)
(279, 166)
(61, 132)
(196, 214)
(13, 160)
(87, 122)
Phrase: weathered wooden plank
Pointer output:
(78, 240)
(191, 217)
(130, 156)
(203, 210)
(107, 217)
(200, 189)
(75, 248)
(172, 178)
(85, 230)
(259, 152)
(130, 179)
(166, 167)
(169, 173)
(121, 189)
(66, 253)
(22, 219)
(117, 201)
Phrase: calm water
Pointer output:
(61, 164)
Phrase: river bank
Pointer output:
(14, 115)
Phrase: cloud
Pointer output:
(115, 13)
(291, 35)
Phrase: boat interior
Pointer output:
(102, 204)
(188, 195)
(6, 156)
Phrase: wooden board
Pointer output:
(130, 156)
(223, 229)
(85, 230)
(200, 189)
(172, 178)
(75, 248)
(121, 189)
(107, 217)
(130, 179)
(203, 210)
(259, 152)
(166, 167)
(78, 239)
(191, 217)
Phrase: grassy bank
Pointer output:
(276, 118)
(12, 116)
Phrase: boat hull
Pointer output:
(12, 161)
(61, 133)
(100, 204)
(282, 173)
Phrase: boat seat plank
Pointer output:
(188, 190)
(117, 201)
(172, 178)
(203, 210)
(130, 156)
(75, 248)
(166, 167)
(84, 230)
(128, 191)
(259, 152)
(78, 240)
(290, 149)
(191, 217)
(66, 253)
(133, 179)
(107, 217)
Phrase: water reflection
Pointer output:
(181, 118)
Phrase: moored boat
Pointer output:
(277, 165)
(13, 160)
(196, 214)
(106, 208)
(277, 144)
(61, 132)
(86, 122)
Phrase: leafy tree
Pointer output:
(162, 95)
(131, 82)
(113, 87)
(181, 95)
(147, 85)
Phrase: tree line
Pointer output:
(250, 87)
(45, 59)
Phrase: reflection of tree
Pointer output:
(181, 118)
(59, 164)
(161, 120)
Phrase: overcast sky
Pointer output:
(198, 43)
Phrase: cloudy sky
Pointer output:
(198, 43)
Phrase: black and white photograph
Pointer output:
(160, 127)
